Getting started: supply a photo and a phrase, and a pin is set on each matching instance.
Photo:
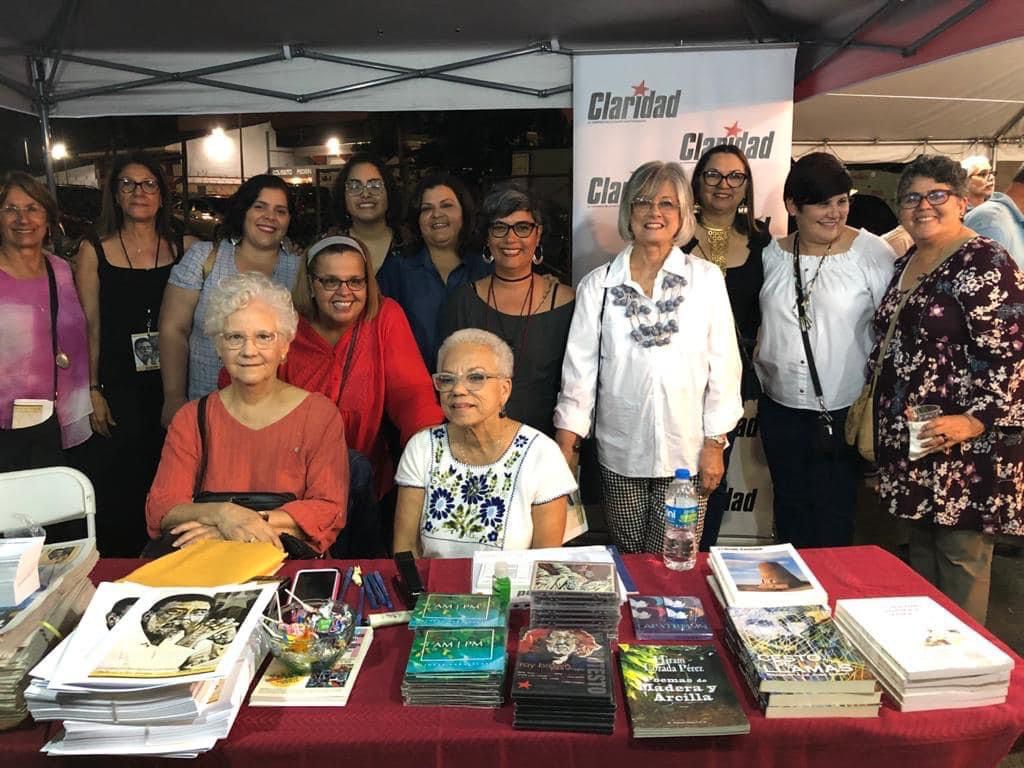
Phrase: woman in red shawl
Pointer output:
(355, 346)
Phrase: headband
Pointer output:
(327, 242)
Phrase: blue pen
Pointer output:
(345, 583)
(371, 594)
(383, 590)
(359, 609)
(377, 592)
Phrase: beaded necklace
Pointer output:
(660, 332)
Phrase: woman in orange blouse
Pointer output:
(261, 435)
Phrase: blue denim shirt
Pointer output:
(414, 282)
(999, 219)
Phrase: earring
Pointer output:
(502, 413)
(235, 241)
(538, 255)
(487, 255)
(696, 208)
(742, 209)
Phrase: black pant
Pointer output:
(815, 491)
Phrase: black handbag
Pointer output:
(37, 446)
(827, 439)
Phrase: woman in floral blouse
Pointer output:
(482, 480)
(958, 343)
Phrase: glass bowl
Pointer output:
(309, 640)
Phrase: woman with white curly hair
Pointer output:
(259, 434)
(482, 481)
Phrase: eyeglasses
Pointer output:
(933, 196)
(983, 173)
(30, 211)
(128, 186)
(331, 283)
(475, 380)
(644, 205)
(733, 179)
(262, 339)
(373, 186)
(521, 228)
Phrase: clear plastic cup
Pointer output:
(919, 416)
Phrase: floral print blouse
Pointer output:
(958, 344)
(466, 507)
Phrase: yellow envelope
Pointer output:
(210, 564)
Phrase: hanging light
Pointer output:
(218, 146)
(59, 151)
(333, 145)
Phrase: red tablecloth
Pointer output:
(376, 730)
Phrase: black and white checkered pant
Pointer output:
(635, 510)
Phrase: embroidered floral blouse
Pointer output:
(958, 344)
(467, 508)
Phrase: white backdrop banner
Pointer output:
(632, 108)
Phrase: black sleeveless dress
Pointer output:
(126, 462)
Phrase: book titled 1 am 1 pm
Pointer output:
(679, 690)
(449, 611)
(661, 617)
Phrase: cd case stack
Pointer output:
(563, 681)
(573, 594)
(456, 668)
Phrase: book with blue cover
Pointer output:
(447, 651)
(663, 617)
(450, 611)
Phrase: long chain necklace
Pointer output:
(138, 251)
(718, 245)
(804, 318)
(525, 312)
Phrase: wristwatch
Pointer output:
(720, 440)
(264, 513)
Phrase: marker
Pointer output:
(383, 590)
(359, 610)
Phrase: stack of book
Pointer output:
(19, 568)
(763, 576)
(281, 687)
(27, 630)
(151, 671)
(458, 652)
(658, 617)
(924, 656)
(563, 681)
(574, 594)
(798, 664)
(679, 690)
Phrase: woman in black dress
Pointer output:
(120, 279)
(729, 236)
(530, 312)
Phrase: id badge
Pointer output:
(29, 413)
(146, 351)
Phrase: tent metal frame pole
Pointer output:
(956, 18)
(55, 38)
(1009, 124)
(849, 38)
(38, 67)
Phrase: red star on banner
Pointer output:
(524, 684)
(732, 130)
(640, 90)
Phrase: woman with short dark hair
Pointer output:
(956, 310)
(821, 287)
(438, 262)
(368, 206)
(252, 240)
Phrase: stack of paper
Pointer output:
(152, 671)
(764, 576)
(19, 569)
(28, 631)
(798, 663)
(924, 656)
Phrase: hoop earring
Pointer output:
(538, 255)
(487, 255)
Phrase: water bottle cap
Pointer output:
(501, 570)
(682, 474)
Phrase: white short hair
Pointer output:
(502, 351)
(235, 292)
(974, 163)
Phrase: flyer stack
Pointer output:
(151, 671)
(575, 595)
(924, 656)
(458, 655)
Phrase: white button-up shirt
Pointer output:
(846, 292)
(657, 403)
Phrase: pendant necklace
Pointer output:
(525, 311)
(138, 252)
(718, 245)
(804, 318)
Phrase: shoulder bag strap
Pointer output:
(201, 420)
(51, 279)
(804, 324)
(348, 358)
(600, 332)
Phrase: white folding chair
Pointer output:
(44, 496)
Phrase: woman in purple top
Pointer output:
(35, 361)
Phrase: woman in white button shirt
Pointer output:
(653, 332)
(844, 273)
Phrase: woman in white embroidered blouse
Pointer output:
(482, 480)
(843, 274)
(655, 331)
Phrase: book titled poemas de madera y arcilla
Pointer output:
(658, 617)
(679, 690)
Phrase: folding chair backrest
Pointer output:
(45, 496)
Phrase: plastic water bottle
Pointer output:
(680, 552)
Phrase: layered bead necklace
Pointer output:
(660, 332)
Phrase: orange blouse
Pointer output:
(303, 453)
